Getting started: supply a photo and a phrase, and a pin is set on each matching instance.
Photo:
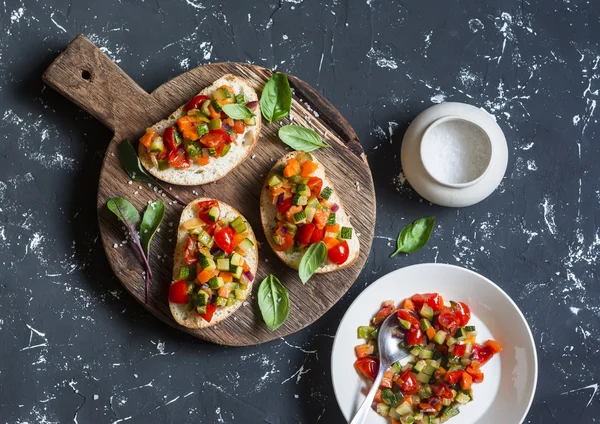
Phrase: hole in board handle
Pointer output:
(86, 75)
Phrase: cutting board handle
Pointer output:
(89, 78)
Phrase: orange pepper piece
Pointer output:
(330, 242)
(147, 138)
(308, 168)
(226, 276)
(213, 113)
(224, 292)
(292, 168)
(187, 128)
(202, 160)
(332, 228)
(204, 276)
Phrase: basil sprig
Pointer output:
(273, 302)
(301, 138)
(276, 98)
(132, 165)
(128, 215)
(415, 236)
(237, 111)
(312, 259)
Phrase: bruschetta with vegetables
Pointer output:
(216, 258)
(300, 207)
(206, 138)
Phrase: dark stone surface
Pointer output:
(76, 348)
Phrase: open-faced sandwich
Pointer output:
(215, 262)
(299, 207)
(205, 139)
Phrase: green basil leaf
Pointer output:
(237, 111)
(131, 163)
(153, 216)
(276, 98)
(126, 212)
(311, 260)
(414, 236)
(273, 302)
(301, 138)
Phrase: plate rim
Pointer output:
(441, 265)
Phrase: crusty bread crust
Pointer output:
(268, 212)
(180, 312)
(216, 168)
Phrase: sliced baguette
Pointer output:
(180, 312)
(268, 211)
(216, 168)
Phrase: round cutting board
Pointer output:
(89, 78)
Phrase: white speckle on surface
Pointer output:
(381, 59)
(195, 4)
(531, 165)
(574, 310)
(438, 98)
(549, 215)
(475, 25)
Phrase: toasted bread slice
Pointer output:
(268, 212)
(182, 314)
(217, 168)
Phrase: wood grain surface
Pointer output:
(89, 78)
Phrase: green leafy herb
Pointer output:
(153, 216)
(128, 215)
(313, 258)
(276, 98)
(273, 301)
(301, 138)
(132, 165)
(414, 236)
(237, 111)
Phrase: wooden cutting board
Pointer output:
(86, 76)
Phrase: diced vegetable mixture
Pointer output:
(305, 214)
(446, 360)
(216, 273)
(204, 132)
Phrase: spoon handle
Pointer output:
(361, 414)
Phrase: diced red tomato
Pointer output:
(305, 233)
(481, 354)
(196, 102)
(317, 235)
(466, 381)
(442, 391)
(320, 219)
(453, 377)
(414, 336)
(475, 373)
(463, 313)
(494, 346)
(339, 253)
(315, 184)
(225, 239)
(238, 126)
(283, 240)
(284, 206)
(210, 310)
(204, 207)
(388, 378)
(408, 383)
(383, 313)
(178, 292)
(447, 319)
(178, 158)
(169, 138)
(409, 316)
(432, 299)
(190, 251)
(369, 367)
(215, 138)
(460, 350)
(364, 350)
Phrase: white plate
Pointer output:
(507, 391)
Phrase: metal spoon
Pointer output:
(389, 352)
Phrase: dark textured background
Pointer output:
(75, 348)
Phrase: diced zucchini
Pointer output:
(231, 299)
(404, 323)
(313, 202)
(446, 402)
(419, 366)
(216, 106)
(465, 361)
(239, 225)
(425, 324)
(450, 412)
(185, 273)
(470, 334)
(383, 409)
(214, 124)
(451, 341)
(223, 264)
(460, 333)
(302, 189)
(462, 398)
(416, 350)
(404, 409)
(297, 179)
(205, 239)
(250, 122)
(244, 245)
(204, 261)
(331, 219)
(300, 217)
(427, 312)
(299, 200)
(439, 337)
(291, 228)
(435, 364)
(213, 213)
(221, 301)
(212, 152)
(240, 294)
(204, 108)
(391, 398)
(236, 271)
(215, 282)
(157, 145)
(310, 212)
(425, 392)
(326, 193)
(163, 164)
(274, 180)
(470, 328)
(366, 332)
(396, 367)
(201, 309)
(409, 419)
(222, 94)
(429, 370)
(237, 259)
(425, 354)
(468, 348)
(202, 298)
(423, 378)
(240, 98)
(346, 233)
(226, 149)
